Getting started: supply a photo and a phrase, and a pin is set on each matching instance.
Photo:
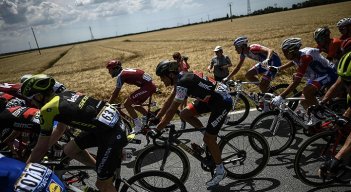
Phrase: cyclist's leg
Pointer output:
(252, 73)
(75, 148)
(110, 144)
(191, 111)
(346, 148)
(268, 75)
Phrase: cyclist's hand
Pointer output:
(330, 167)
(277, 100)
(154, 121)
(154, 133)
(342, 121)
(265, 63)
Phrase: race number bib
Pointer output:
(34, 178)
(36, 118)
(108, 115)
(221, 87)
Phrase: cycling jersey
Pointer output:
(11, 100)
(12, 89)
(210, 97)
(19, 177)
(100, 120)
(315, 67)
(333, 51)
(133, 77)
(256, 53)
(20, 118)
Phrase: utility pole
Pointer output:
(30, 47)
(208, 17)
(91, 33)
(248, 7)
(230, 8)
(36, 41)
(189, 21)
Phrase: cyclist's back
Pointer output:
(20, 118)
(133, 77)
(17, 176)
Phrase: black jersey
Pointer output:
(20, 118)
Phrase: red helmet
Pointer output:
(112, 64)
(346, 45)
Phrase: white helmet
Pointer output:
(25, 77)
(343, 22)
(291, 44)
(242, 40)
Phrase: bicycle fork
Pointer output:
(275, 124)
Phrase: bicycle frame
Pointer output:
(237, 87)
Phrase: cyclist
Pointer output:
(311, 64)
(330, 46)
(344, 26)
(344, 80)
(132, 77)
(263, 55)
(18, 176)
(209, 97)
(12, 89)
(101, 122)
(183, 67)
(346, 45)
(219, 64)
(11, 100)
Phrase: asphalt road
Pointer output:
(277, 176)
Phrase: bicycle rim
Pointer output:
(279, 133)
(311, 155)
(239, 111)
(240, 159)
(156, 181)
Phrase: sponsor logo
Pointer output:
(207, 87)
(219, 118)
(138, 94)
(104, 159)
(82, 102)
(73, 98)
(83, 124)
(18, 111)
(22, 125)
(54, 187)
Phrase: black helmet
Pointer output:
(165, 67)
(37, 84)
(321, 34)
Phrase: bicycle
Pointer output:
(279, 126)
(318, 149)
(236, 155)
(241, 99)
(151, 114)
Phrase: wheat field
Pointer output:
(81, 67)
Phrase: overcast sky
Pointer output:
(63, 21)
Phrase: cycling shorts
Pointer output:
(267, 74)
(323, 81)
(139, 96)
(110, 142)
(219, 109)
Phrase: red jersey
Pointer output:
(334, 49)
(133, 77)
(11, 88)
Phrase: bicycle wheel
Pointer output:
(277, 89)
(279, 132)
(151, 158)
(235, 116)
(153, 181)
(315, 151)
(240, 159)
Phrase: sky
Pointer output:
(64, 21)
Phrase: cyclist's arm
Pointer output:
(167, 104)
(114, 95)
(40, 149)
(346, 148)
(229, 62)
(332, 91)
(268, 51)
(291, 87)
(169, 114)
(236, 70)
(57, 133)
(287, 65)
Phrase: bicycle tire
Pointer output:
(277, 89)
(151, 159)
(141, 177)
(309, 158)
(285, 133)
(236, 140)
(234, 117)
